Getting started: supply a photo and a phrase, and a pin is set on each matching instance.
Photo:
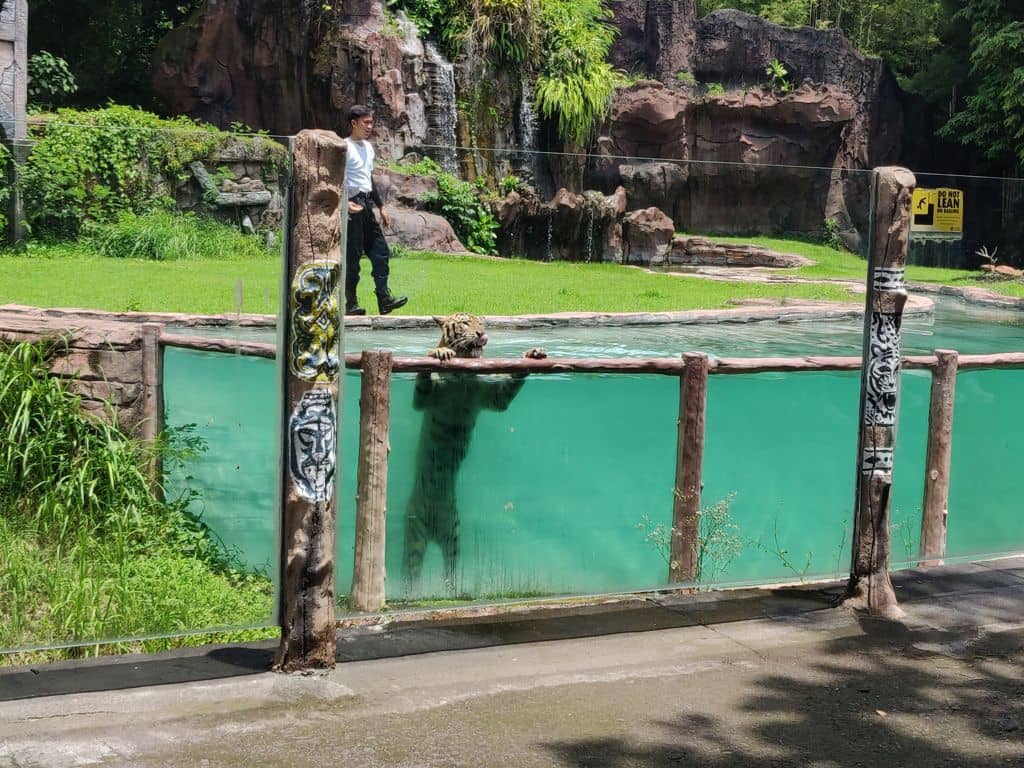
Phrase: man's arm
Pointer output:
(385, 218)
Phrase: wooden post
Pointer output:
(311, 334)
(869, 587)
(693, 388)
(935, 507)
(152, 417)
(368, 573)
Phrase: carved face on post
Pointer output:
(312, 442)
(315, 322)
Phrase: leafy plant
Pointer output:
(778, 76)
(576, 83)
(88, 550)
(49, 80)
(718, 543)
(776, 548)
(167, 236)
(714, 90)
(459, 203)
(831, 236)
(510, 183)
(506, 28)
(92, 166)
(686, 78)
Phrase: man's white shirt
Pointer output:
(359, 167)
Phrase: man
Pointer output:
(364, 233)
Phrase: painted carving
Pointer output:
(883, 370)
(316, 322)
(888, 279)
(312, 439)
(876, 460)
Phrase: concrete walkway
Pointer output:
(755, 678)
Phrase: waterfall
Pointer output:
(590, 234)
(528, 130)
(441, 113)
(549, 215)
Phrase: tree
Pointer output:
(992, 117)
(108, 44)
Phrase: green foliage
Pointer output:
(993, 116)
(686, 78)
(165, 235)
(510, 183)
(92, 166)
(110, 45)
(49, 80)
(777, 76)
(576, 83)
(87, 550)
(831, 235)
(506, 29)
(714, 90)
(458, 201)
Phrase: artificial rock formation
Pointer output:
(292, 64)
(702, 159)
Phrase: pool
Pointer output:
(570, 489)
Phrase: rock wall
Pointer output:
(291, 64)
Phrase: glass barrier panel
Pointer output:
(985, 485)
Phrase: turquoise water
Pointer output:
(557, 493)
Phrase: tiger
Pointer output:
(450, 403)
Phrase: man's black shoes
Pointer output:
(354, 309)
(388, 303)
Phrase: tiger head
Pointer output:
(462, 335)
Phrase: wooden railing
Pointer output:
(692, 369)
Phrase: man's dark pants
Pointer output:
(365, 236)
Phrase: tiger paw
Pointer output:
(535, 354)
(442, 353)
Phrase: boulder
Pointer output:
(421, 231)
(646, 236)
(406, 189)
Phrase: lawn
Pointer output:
(75, 275)
(71, 276)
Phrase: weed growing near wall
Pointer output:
(162, 235)
(87, 550)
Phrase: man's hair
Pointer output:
(356, 112)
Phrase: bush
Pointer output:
(167, 236)
(92, 166)
(88, 551)
(458, 202)
(49, 80)
(715, 89)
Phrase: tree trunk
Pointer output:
(935, 507)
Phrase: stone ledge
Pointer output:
(700, 251)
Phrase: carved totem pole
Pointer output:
(312, 328)
(870, 587)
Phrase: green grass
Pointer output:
(77, 275)
(88, 552)
(73, 275)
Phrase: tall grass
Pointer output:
(164, 236)
(88, 551)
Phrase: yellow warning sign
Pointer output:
(937, 210)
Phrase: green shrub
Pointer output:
(87, 549)
(459, 203)
(778, 76)
(92, 166)
(576, 83)
(167, 236)
(715, 89)
(686, 78)
(49, 80)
